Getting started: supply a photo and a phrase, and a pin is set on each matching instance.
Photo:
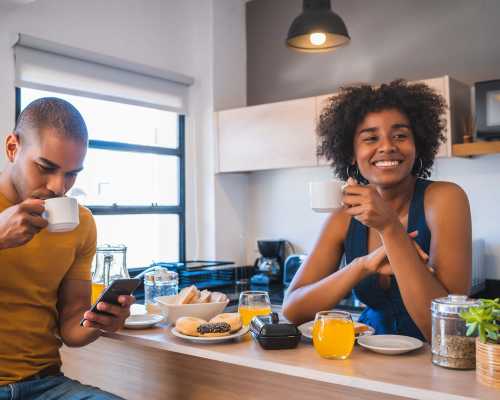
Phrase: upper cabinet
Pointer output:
(282, 135)
(267, 136)
(457, 114)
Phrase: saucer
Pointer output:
(307, 327)
(142, 321)
(390, 344)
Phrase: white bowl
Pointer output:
(174, 311)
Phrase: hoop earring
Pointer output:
(418, 170)
(354, 173)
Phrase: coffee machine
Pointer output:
(269, 266)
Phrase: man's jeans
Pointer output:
(56, 387)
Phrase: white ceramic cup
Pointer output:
(325, 196)
(62, 214)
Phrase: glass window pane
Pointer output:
(118, 122)
(127, 178)
(148, 237)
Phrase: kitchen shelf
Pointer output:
(476, 148)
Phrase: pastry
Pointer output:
(204, 296)
(187, 295)
(218, 297)
(214, 329)
(233, 319)
(189, 325)
(360, 328)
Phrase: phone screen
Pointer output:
(111, 294)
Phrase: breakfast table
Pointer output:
(155, 364)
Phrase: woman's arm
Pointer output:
(318, 284)
(448, 216)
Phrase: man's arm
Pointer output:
(73, 305)
(73, 301)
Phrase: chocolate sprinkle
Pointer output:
(215, 327)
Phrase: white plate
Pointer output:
(307, 327)
(211, 339)
(390, 344)
(142, 321)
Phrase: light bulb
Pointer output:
(317, 38)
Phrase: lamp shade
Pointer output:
(317, 29)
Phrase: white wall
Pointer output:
(279, 204)
(168, 34)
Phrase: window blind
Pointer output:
(45, 65)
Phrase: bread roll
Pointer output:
(214, 329)
(204, 296)
(218, 297)
(233, 319)
(189, 325)
(186, 295)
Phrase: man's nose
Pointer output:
(57, 185)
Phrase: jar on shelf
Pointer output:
(159, 281)
(451, 347)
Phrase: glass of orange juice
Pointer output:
(253, 303)
(333, 334)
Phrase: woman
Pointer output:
(407, 240)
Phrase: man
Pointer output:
(45, 277)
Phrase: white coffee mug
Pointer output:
(325, 196)
(62, 214)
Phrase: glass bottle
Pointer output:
(110, 264)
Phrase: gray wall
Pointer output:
(412, 39)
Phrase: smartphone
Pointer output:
(117, 288)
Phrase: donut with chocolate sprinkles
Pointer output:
(214, 329)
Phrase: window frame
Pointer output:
(154, 208)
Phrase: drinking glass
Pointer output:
(253, 303)
(333, 334)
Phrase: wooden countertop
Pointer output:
(409, 375)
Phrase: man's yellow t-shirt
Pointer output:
(30, 276)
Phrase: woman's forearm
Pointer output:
(301, 304)
(418, 286)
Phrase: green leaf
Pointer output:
(482, 333)
(471, 328)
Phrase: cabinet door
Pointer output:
(441, 86)
(276, 135)
(321, 102)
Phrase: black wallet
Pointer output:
(273, 334)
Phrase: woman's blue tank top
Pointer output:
(385, 309)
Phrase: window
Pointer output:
(133, 180)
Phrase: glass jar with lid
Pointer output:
(451, 347)
(159, 281)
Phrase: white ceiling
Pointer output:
(11, 4)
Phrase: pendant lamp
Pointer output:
(317, 29)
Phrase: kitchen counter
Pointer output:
(154, 364)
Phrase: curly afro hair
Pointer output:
(345, 111)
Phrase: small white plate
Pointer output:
(142, 321)
(307, 327)
(390, 344)
(211, 339)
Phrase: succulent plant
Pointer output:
(484, 319)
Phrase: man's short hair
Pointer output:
(55, 113)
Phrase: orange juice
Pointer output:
(97, 289)
(333, 338)
(248, 312)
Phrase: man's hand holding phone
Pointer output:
(112, 307)
(110, 317)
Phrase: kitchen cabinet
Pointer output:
(267, 136)
(283, 135)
